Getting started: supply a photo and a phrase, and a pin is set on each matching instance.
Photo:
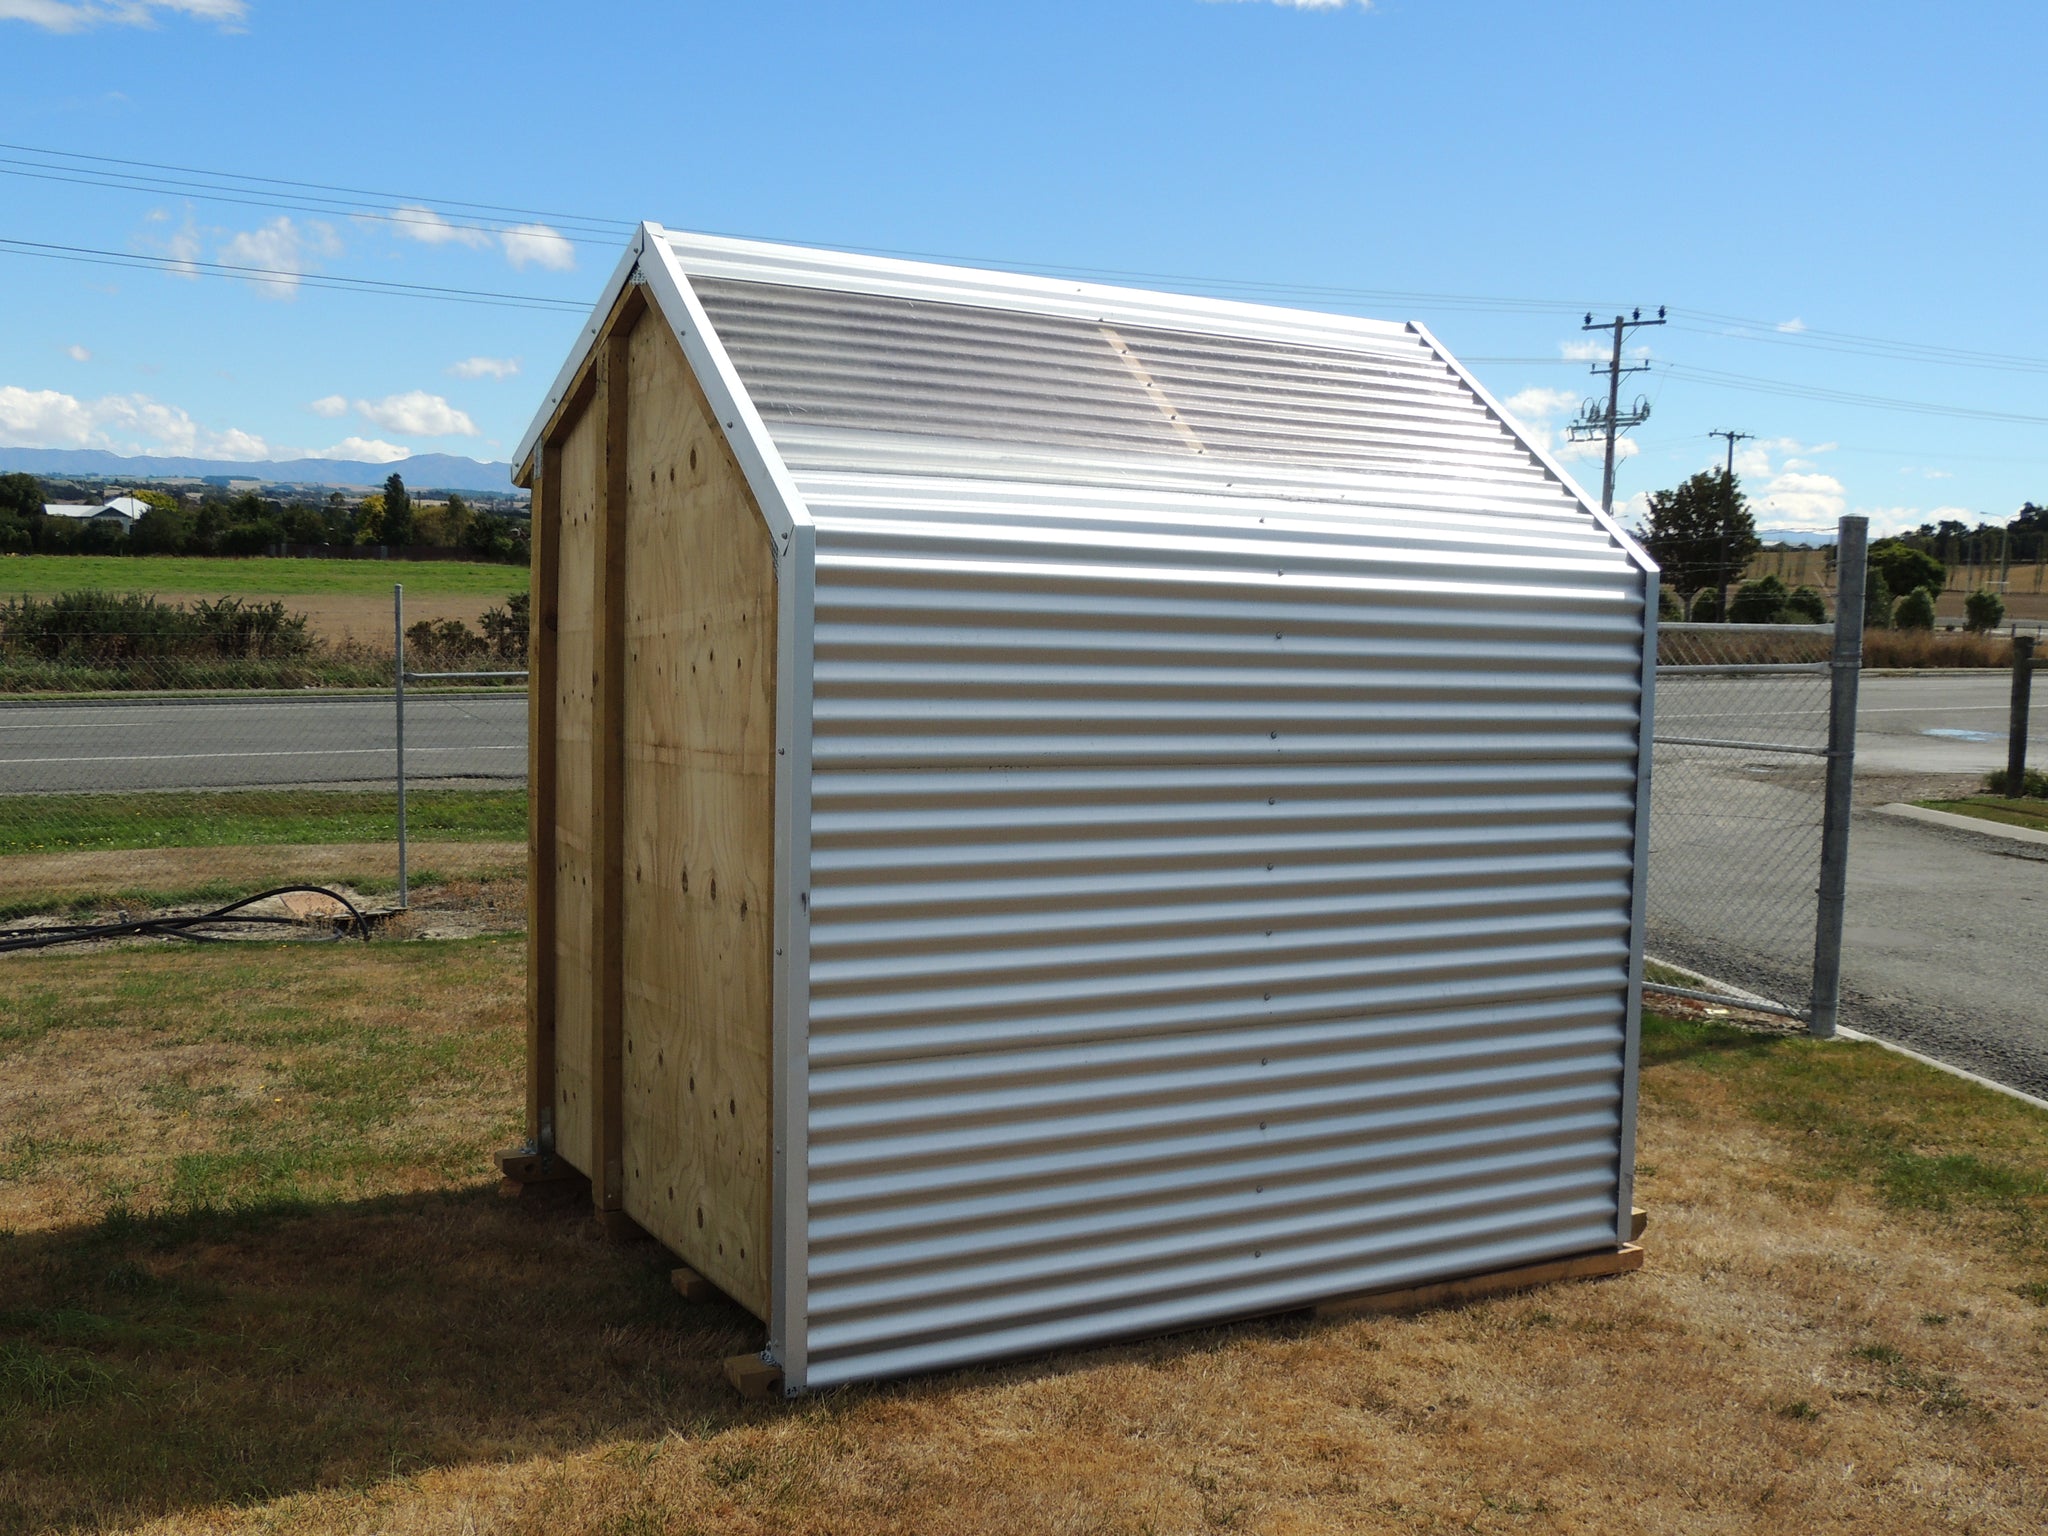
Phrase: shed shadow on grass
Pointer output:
(152, 1364)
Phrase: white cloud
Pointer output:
(329, 406)
(80, 15)
(536, 245)
(1793, 326)
(418, 414)
(371, 450)
(1535, 408)
(413, 222)
(1319, 5)
(283, 247)
(1596, 449)
(78, 354)
(1786, 487)
(485, 368)
(1540, 404)
(1886, 521)
(180, 247)
(48, 418)
(1583, 351)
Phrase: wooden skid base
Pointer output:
(1450, 1293)
(755, 1379)
(534, 1167)
(1638, 1219)
(692, 1286)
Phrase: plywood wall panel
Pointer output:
(699, 833)
(581, 447)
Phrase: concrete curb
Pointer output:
(1737, 996)
(1976, 824)
(1844, 1032)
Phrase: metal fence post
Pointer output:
(1844, 672)
(2022, 698)
(398, 698)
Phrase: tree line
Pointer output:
(248, 524)
(1703, 535)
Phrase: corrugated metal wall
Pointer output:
(1221, 872)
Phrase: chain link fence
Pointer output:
(1752, 777)
(1738, 802)
(168, 762)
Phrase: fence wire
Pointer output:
(1738, 798)
(169, 780)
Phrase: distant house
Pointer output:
(123, 510)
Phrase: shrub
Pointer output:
(101, 628)
(1905, 569)
(444, 645)
(1877, 602)
(1706, 606)
(1804, 605)
(505, 629)
(1669, 609)
(1758, 602)
(2033, 784)
(1983, 611)
(1915, 610)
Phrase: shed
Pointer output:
(1063, 812)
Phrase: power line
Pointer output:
(626, 225)
(91, 256)
(1841, 396)
(597, 229)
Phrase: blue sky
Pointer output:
(1835, 199)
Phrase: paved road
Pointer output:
(1906, 725)
(244, 743)
(1946, 930)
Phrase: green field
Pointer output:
(45, 574)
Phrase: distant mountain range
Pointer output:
(422, 472)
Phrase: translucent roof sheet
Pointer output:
(821, 364)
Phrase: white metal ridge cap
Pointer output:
(845, 496)
(775, 489)
(585, 341)
(1541, 455)
(798, 266)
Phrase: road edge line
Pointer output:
(1982, 826)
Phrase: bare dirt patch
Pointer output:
(366, 616)
(138, 873)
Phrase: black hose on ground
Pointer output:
(167, 927)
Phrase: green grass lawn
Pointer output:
(75, 823)
(2024, 812)
(45, 574)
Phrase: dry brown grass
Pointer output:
(1933, 648)
(1834, 1333)
(29, 879)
